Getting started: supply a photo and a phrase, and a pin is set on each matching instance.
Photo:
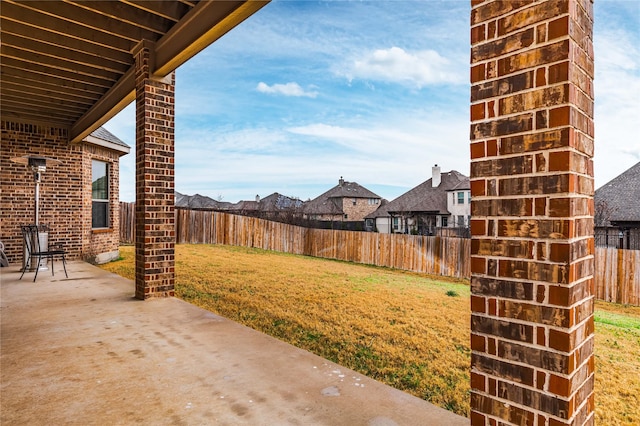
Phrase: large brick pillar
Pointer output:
(532, 212)
(155, 221)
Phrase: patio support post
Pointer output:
(155, 198)
(532, 255)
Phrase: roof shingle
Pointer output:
(327, 203)
(105, 135)
(622, 196)
(426, 198)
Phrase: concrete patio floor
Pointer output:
(83, 351)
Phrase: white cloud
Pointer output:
(388, 157)
(617, 146)
(234, 141)
(195, 144)
(288, 89)
(398, 151)
(418, 69)
(123, 125)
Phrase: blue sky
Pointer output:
(305, 92)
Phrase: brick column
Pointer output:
(155, 220)
(532, 212)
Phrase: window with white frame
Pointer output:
(99, 194)
(374, 201)
(395, 223)
(444, 221)
(460, 197)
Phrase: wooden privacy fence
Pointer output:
(127, 222)
(431, 255)
(617, 272)
(617, 275)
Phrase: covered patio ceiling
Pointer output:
(69, 63)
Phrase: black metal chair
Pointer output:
(31, 236)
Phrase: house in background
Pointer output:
(345, 202)
(379, 220)
(78, 196)
(444, 201)
(200, 202)
(617, 211)
(275, 207)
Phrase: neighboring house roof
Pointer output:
(200, 202)
(427, 199)
(245, 206)
(328, 203)
(381, 211)
(464, 184)
(272, 203)
(104, 138)
(621, 195)
(278, 202)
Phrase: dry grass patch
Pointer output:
(407, 330)
(617, 355)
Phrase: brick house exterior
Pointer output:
(64, 81)
(435, 203)
(345, 202)
(532, 142)
(65, 190)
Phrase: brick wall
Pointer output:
(65, 191)
(532, 207)
(155, 197)
(60, 187)
(99, 243)
(358, 211)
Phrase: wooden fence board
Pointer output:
(127, 222)
(408, 252)
(616, 275)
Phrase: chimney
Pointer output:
(341, 181)
(435, 176)
(257, 198)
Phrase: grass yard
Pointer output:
(407, 330)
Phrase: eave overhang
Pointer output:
(69, 64)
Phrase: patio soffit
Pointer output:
(69, 63)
